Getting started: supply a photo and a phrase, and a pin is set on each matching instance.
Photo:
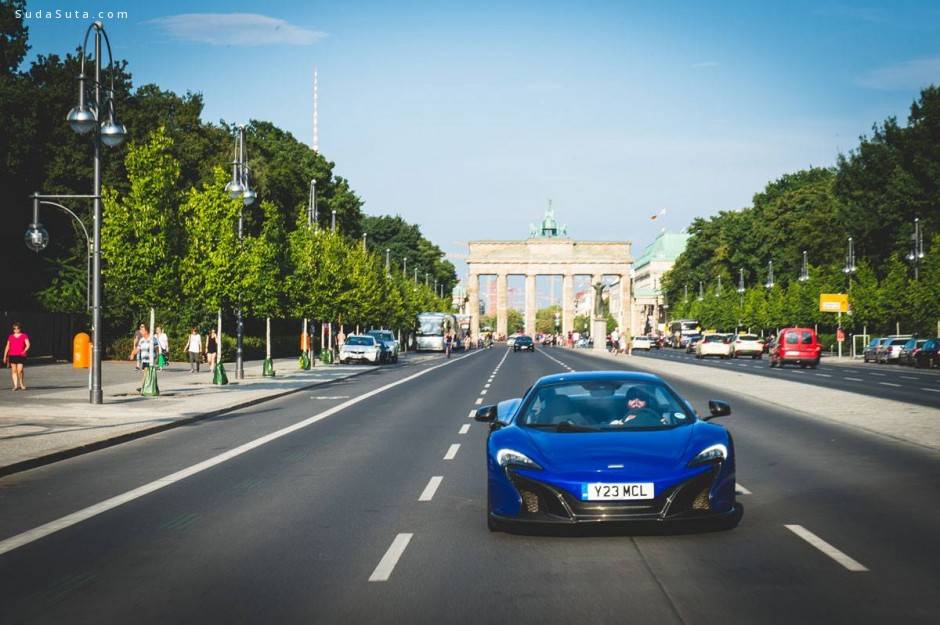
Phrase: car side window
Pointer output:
(807, 338)
(791, 339)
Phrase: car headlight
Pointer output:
(506, 457)
(712, 453)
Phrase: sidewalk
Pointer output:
(894, 419)
(53, 419)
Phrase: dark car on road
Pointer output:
(928, 356)
(911, 347)
(523, 343)
(870, 354)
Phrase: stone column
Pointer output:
(626, 305)
(530, 304)
(473, 304)
(567, 304)
(502, 315)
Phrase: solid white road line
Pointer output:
(889, 384)
(428, 493)
(826, 548)
(853, 379)
(387, 564)
(24, 538)
(478, 401)
(464, 428)
(932, 390)
(452, 451)
(740, 490)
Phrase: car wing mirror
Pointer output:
(486, 414)
(718, 408)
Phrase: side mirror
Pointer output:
(718, 408)
(487, 414)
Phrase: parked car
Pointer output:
(798, 346)
(360, 348)
(685, 339)
(690, 342)
(642, 342)
(906, 357)
(748, 345)
(870, 354)
(512, 339)
(890, 351)
(388, 344)
(928, 356)
(720, 345)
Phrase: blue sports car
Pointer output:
(607, 446)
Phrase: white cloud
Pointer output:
(903, 76)
(704, 64)
(235, 29)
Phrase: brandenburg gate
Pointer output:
(548, 252)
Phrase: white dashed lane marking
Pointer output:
(472, 414)
(932, 390)
(387, 564)
(452, 451)
(826, 548)
(478, 401)
(428, 493)
(740, 490)
(464, 428)
(853, 379)
(889, 384)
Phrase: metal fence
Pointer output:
(50, 334)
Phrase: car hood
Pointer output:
(577, 452)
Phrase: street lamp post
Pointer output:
(364, 235)
(718, 288)
(804, 272)
(239, 187)
(404, 267)
(770, 275)
(850, 266)
(416, 275)
(312, 203)
(83, 119)
(685, 297)
(387, 260)
(701, 291)
(741, 291)
(917, 248)
(333, 221)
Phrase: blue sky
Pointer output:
(466, 117)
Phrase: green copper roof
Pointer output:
(667, 246)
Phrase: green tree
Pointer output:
(545, 319)
(140, 235)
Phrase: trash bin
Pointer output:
(326, 356)
(81, 351)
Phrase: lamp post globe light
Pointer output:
(770, 275)
(239, 187)
(85, 119)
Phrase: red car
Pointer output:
(798, 346)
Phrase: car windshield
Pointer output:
(605, 406)
(715, 338)
(747, 337)
(524, 339)
(383, 336)
(430, 327)
(360, 340)
(899, 341)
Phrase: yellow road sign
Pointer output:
(833, 302)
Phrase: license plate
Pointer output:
(601, 491)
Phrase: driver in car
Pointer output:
(640, 410)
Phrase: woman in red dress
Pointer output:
(14, 354)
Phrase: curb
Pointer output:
(64, 454)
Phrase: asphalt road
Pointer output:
(290, 526)
(906, 384)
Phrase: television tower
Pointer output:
(316, 134)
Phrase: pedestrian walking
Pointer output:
(163, 347)
(146, 349)
(212, 350)
(194, 350)
(137, 334)
(14, 355)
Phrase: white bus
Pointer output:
(432, 326)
